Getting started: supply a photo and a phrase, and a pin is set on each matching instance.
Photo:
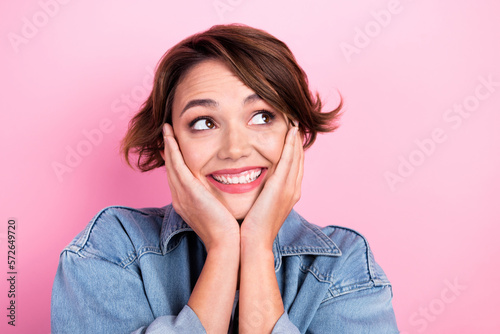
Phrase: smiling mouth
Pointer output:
(245, 177)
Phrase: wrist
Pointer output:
(225, 239)
(224, 247)
(256, 239)
(256, 249)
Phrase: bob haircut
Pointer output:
(261, 61)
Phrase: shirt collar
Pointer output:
(299, 237)
(296, 237)
(172, 229)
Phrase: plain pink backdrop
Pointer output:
(74, 70)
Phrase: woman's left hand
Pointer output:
(279, 195)
(260, 299)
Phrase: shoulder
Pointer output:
(356, 253)
(120, 234)
(352, 267)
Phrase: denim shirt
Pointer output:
(133, 270)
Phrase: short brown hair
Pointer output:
(261, 61)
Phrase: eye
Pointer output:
(202, 124)
(262, 117)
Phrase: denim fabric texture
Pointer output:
(133, 270)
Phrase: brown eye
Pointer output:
(203, 124)
(209, 124)
(261, 118)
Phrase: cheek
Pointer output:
(271, 144)
(195, 154)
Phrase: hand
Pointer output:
(279, 195)
(260, 296)
(209, 218)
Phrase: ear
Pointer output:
(291, 122)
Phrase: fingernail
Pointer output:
(165, 130)
(295, 130)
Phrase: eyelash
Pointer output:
(193, 122)
(271, 115)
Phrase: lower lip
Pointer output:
(239, 188)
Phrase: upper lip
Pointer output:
(235, 170)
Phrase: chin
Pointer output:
(239, 212)
(239, 205)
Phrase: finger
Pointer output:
(171, 146)
(300, 148)
(293, 180)
(295, 166)
(170, 156)
(176, 163)
(166, 148)
(300, 175)
(302, 156)
(172, 177)
(285, 162)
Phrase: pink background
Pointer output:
(82, 68)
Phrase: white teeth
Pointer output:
(242, 178)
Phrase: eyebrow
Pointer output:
(209, 103)
(252, 98)
(200, 103)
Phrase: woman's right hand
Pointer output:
(204, 213)
(213, 295)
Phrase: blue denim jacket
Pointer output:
(133, 271)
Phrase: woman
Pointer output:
(229, 116)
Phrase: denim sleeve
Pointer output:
(93, 295)
(284, 326)
(364, 311)
(185, 322)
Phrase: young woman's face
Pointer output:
(230, 139)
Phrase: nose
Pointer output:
(235, 143)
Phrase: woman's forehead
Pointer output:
(211, 80)
(206, 74)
